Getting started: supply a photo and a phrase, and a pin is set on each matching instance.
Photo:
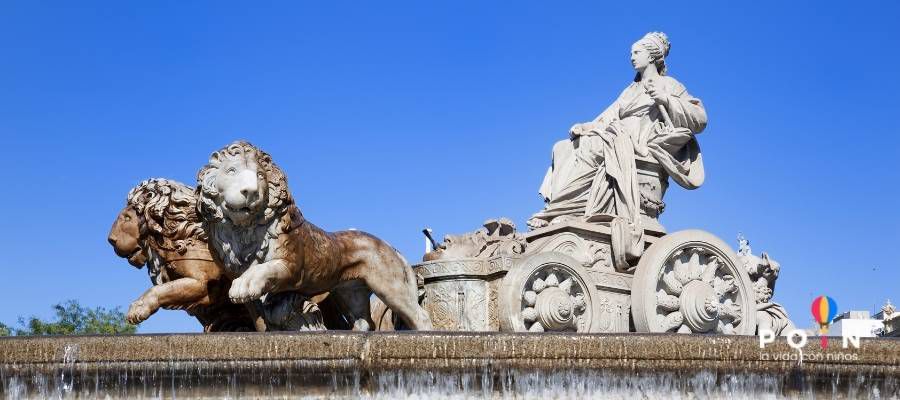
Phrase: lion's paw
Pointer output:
(247, 288)
(139, 311)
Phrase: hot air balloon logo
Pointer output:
(824, 309)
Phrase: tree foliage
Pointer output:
(74, 319)
(4, 330)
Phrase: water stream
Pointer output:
(301, 379)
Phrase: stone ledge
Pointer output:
(415, 350)
(350, 365)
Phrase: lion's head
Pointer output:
(158, 211)
(242, 185)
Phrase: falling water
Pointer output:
(299, 379)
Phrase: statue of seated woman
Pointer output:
(593, 173)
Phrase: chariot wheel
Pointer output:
(690, 282)
(548, 292)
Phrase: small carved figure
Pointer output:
(764, 272)
(498, 236)
(159, 227)
(888, 310)
(267, 246)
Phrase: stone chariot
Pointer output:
(561, 278)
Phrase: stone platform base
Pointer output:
(441, 365)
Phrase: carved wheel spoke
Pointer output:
(667, 302)
(671, 284)
(729, 311)
(680, 269)
(712, 266)
(671, 321)
(688, 282)
(724, 286)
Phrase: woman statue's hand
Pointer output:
(576, 130)
(657, 94)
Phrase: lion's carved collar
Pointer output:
(181, 249)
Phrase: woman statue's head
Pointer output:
(650, 49)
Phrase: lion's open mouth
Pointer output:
(136, 258)
(242, 212)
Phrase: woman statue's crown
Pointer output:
(658, 40)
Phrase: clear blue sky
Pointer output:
(388, 117)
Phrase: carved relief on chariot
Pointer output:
(685, 282)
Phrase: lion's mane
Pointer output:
(168, 211)
(238, 246)
(277, 194)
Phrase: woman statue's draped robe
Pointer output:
(594, 174)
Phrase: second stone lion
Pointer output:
(269, 247)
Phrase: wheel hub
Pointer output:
(699, 305)
(556, 311)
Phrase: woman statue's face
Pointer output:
(640, 57)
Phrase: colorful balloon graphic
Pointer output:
(824, 309)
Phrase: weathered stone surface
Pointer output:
(353, 364)
(510, 349)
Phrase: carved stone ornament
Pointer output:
(691, 282)
(497, 237)
(763, 272)
(549, 292)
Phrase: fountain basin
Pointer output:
(440, 365)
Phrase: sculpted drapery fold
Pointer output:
(593, 175)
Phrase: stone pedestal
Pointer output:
(461, 294)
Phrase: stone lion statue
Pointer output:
(160, 227)
(268, 247)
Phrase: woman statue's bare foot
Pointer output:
(563, 219)
(536, 223)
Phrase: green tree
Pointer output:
(74, 319)
(4, 330)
